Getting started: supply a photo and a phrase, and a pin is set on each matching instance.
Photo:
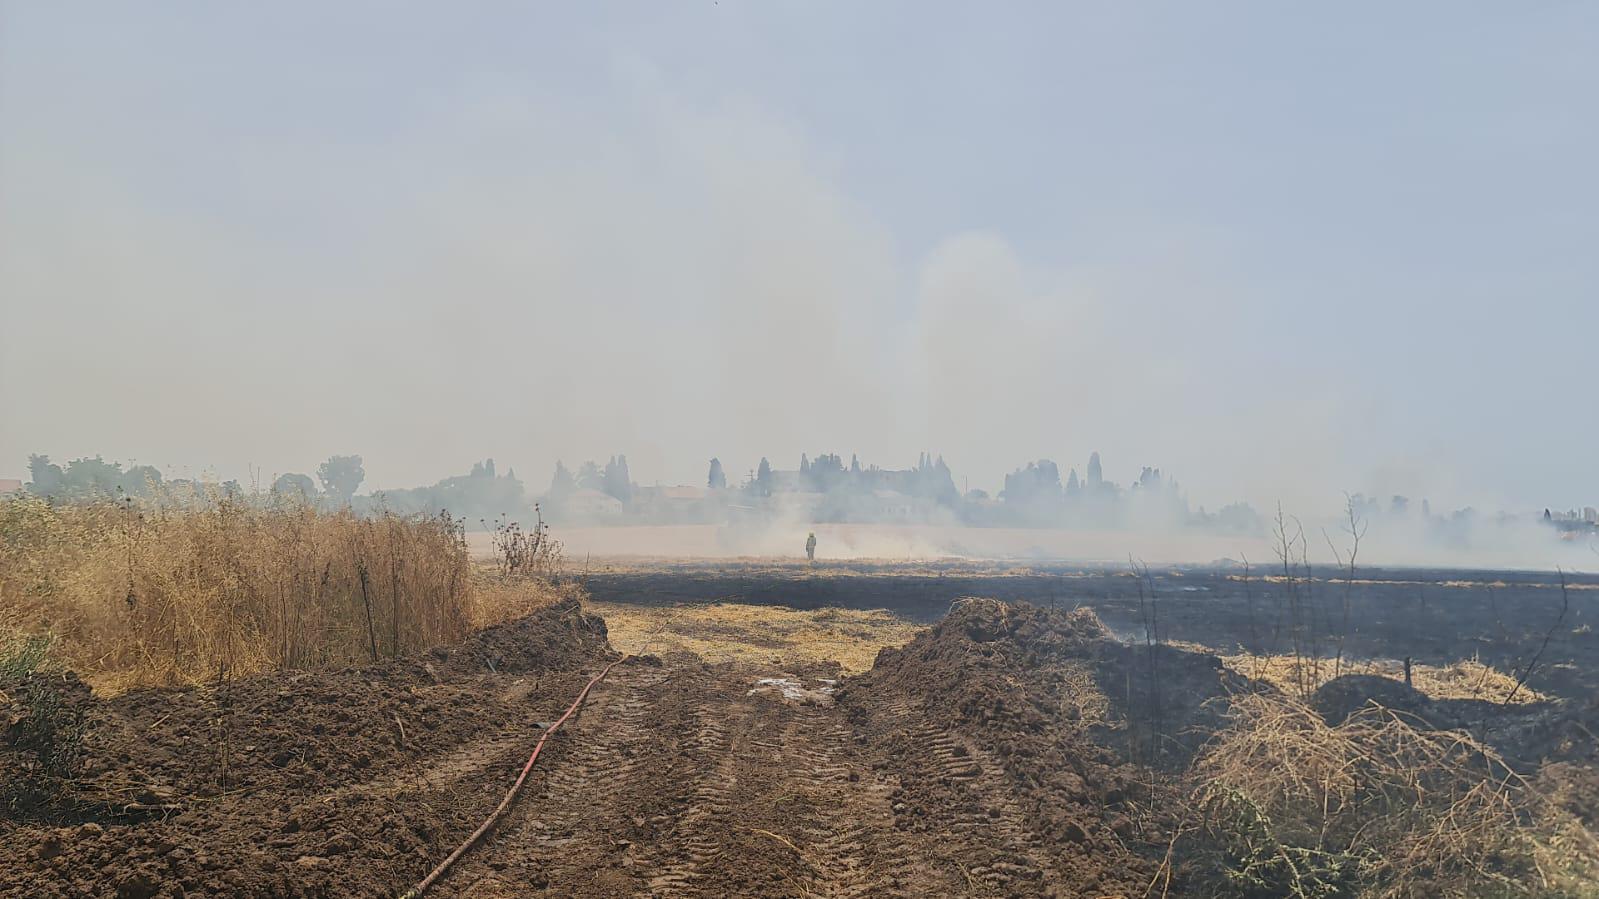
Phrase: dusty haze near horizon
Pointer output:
(1280, 253)
(1388, 545)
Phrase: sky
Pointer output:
(1280, 252)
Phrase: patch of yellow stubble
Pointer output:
(760, 634)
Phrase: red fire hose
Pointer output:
(505, 803)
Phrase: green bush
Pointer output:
(1259, 865)
(41, 710)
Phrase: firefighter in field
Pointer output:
(810, 546)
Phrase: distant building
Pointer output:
(9, 486)
(799, 502)
(673, 504)
(589, 504)
(891, 505)
(676, 494)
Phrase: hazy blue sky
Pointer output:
(1277, 251)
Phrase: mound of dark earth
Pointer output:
(1036, 718)
(1347, 694)
(292, 784)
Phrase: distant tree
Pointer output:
(92, 477)
(44, 477)
(763, 478)
(475, 495)
(1148, 478)
(79, 478)
(1038, 482)
(939, 483)
(294, 484)
(826, 473)
(1049, 475)
(562, 484)
(140, 480)
(1096, 476)
(589, 477)
(805, 465)
(717, 479)
(341, 476)
(1239, 518)
(618, 482)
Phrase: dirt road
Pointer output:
(682, 779)
(677, 778)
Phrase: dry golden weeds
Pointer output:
(189, 588)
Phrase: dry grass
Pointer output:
(1377, 807)
(1463, 679)
(736, 632)
(1083, 704)
(191, 588)
(494, 598)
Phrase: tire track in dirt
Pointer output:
(776, 801)
(677, 782)
(985, 834)
(845, 829)
(514, 728)
(771, 807)
(694, 838)
(570, 829)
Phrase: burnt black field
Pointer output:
(1505, 619)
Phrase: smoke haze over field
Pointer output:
(1510, 547)
(1279, 253)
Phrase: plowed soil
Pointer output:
(1008, 750)
(678, 778)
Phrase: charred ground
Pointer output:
(1433, 616)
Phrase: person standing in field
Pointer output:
(810, 546)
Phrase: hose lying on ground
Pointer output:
(505, 803)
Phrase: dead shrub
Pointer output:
(525, 553)
(1377, 806)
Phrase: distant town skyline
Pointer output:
(104, 475)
